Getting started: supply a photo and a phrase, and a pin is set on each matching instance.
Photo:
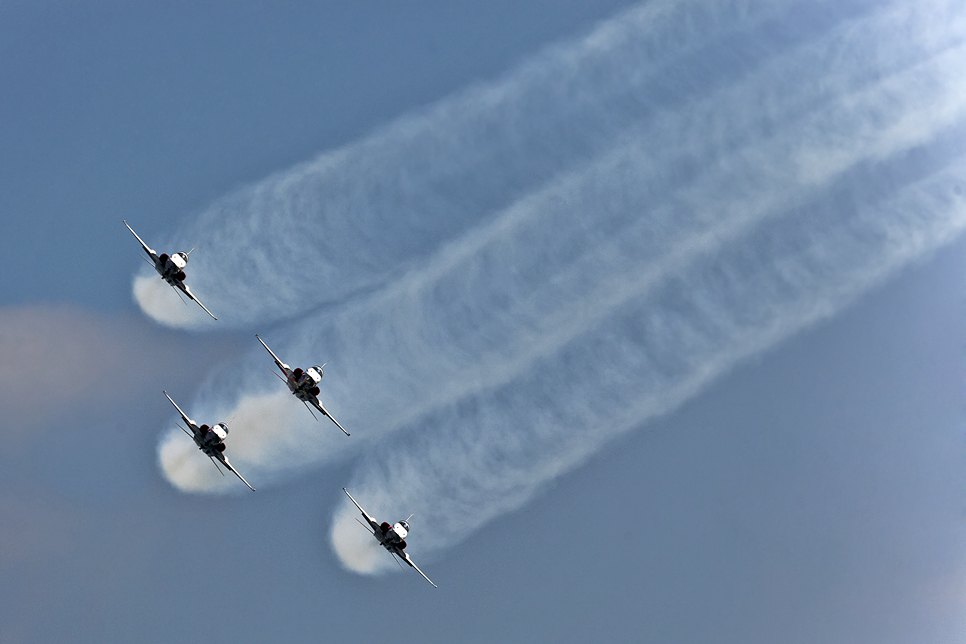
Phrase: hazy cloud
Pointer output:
(59, 358)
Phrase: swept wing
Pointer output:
(188, 421)
(147, 249)
(187, 291)
(372, 522)
(318, 405)
(224, 461)
(405, 557)
(281, 365)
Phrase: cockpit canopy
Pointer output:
(402, 529)
(179, 259)
(315, 373)
(220, 430)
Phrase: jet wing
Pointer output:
(318, 405)
(281, 365)
(188, 421)
(187, 291)
(224, 461)
(154, 256)
(372, 522)
(405, 557)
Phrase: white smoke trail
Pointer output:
(574, 304)
(491, 452)
(513, 292)
(168, 306)
(351, 219)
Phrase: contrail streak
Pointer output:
(514, 291)
(352, 219)
(677, 239)
(490, 452)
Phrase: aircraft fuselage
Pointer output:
(171, 267)
(305, 384)
(392, 538)
(212, 440)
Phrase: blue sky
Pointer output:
(808, 489)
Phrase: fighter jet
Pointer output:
(392, 538)
(304, 384)
(210, 440)
(171, 269)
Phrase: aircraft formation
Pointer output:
(302, 383)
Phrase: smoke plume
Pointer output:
(506, 281)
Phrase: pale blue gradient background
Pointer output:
(813, 495)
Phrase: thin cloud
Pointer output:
(57, 359)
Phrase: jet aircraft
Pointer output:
(304, 384)
(171, 269)
(392, 538)
(210, 440)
